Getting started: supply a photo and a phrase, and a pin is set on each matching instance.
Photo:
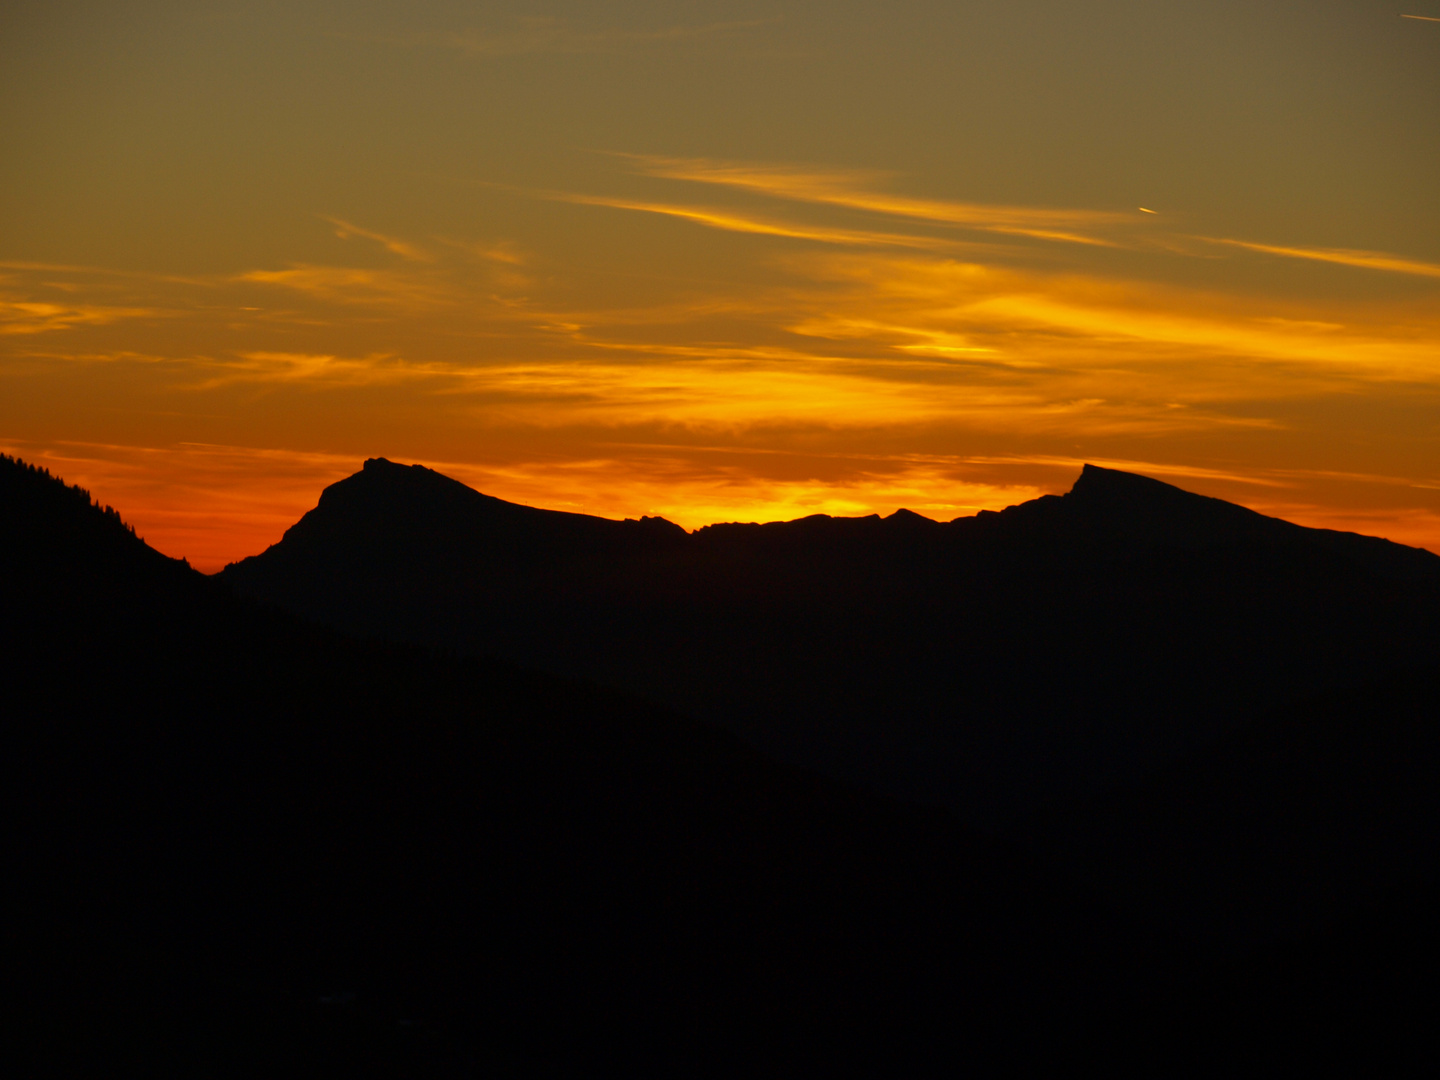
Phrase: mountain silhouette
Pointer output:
(993, 664)
(243, 844)
(240, 844)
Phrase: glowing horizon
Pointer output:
(245, 249)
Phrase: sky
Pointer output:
(722, 261)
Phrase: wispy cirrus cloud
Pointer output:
(396, 289)
(406, 250)
(855, 190)
(1367, 260)
(211, 371)
(319, 369)
(1053, 322)
(890, 329)
(731, 221)
(858, 189)
(41, 317)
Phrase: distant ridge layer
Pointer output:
(990, 664)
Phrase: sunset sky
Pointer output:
(722, 261)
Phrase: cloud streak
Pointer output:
(813, 355)
(354, 285)
(42, 317)
(1047, 322)
(853, 189)
(293, 368)
(344, 230)
(1367, 260)
(856, 190)
(730, 221)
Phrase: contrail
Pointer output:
(1423, 18)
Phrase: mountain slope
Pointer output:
(242, 845)
(238, 843)
(990, 664)
(1317, 809)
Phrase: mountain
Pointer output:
(1278, 827)
(240, 844)
(993, 665)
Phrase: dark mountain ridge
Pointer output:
(991, 664)
(243, 845)
(239, 844)
(1125, 507)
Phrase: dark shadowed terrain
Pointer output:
(991, 665)
(243, 843)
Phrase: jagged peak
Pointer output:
(385, 468)
(1095, 480)
(381, 475)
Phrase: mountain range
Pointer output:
(993, 665)
(440, 784)
(242, 844)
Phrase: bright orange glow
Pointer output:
(205, 503)
(812, 374)
(724, 268)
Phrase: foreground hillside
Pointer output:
(239, 842)
(244, 845)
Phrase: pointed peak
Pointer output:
(1141, 505)
(909, 517)
(1095, 480)
(1113, 491)
(382, 481)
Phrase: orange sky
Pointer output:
(718, 263)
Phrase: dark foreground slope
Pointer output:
(240, 845)
(992, 664)
(1317, 809)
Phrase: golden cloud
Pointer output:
(877, 337)
(1028, 319)
(320, 369)
(733, 222)
(853, 189)
(344, 230)
(352, 285)
(1366, 260)
(40, 317)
